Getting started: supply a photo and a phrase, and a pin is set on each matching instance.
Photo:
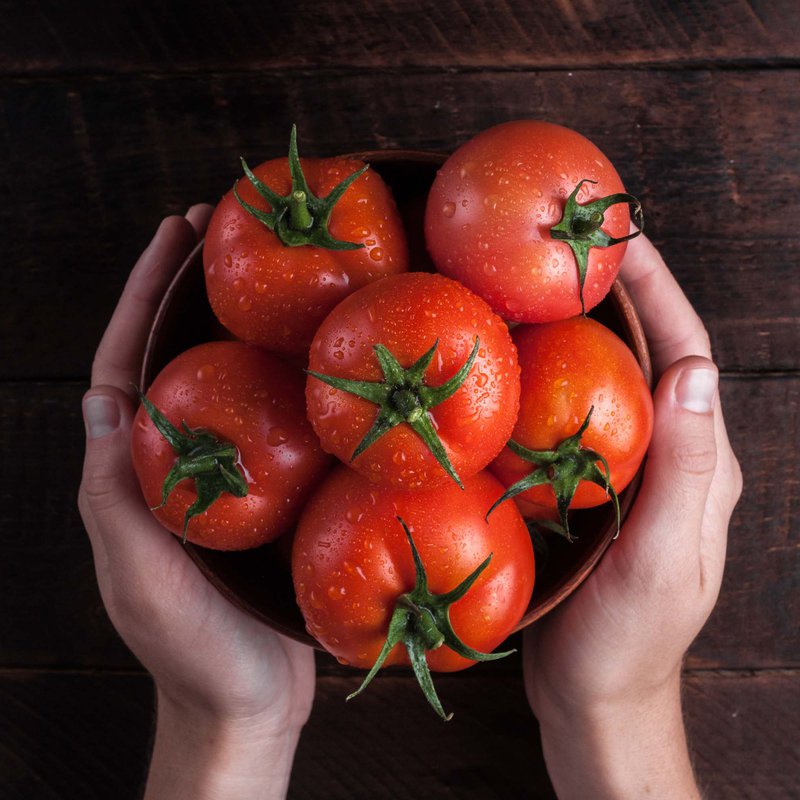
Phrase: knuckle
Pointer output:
(695, 456)
(705, 338)
(670, 580)
(737, 481)
(100, 491)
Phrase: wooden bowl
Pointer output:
(258, 581)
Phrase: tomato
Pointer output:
(568, 369)
(275, 295)
(352, 562)
(244, 408)
(492, 209)
(413, 381)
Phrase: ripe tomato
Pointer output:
(244, 409)
(567, 369)
(352, 562)
(492, 209)
(275, 295)
(421, 382)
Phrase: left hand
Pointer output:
(216, 669)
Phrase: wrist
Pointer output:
(630, 747)
(202, 755)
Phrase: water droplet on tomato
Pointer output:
(335, 592)
(276, 436)
(449, 209)
(228, 260)
(245, 303)
(206, 372)
(376, 254)
(353, 515)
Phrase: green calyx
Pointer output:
(580, 227)
(563, 468)
(209, 462)
(299, 217)
(421, 622)
(403, 396)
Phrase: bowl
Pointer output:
(259, 581)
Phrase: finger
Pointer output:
(119, 354)
(671, 325)
(199, 216)
(663, 530)
(726, 488)
(116, 517)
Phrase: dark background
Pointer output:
(115, 114)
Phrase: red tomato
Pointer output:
(243, 397)
(351, 561)
(274, 295)
(567, 368)
(415, 317)
(491, 210)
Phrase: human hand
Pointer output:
(232, 694)
(602, 672)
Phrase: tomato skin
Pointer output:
(491, 208)
(351, 561)
(252, 399)
(566, 368)
(276, 296)
(407, 314)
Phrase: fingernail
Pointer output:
(100, 415)
(696, 389)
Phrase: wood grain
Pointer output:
(52, 615)
(84, 735)
(718, 185)
(49, 37)
(113, 115)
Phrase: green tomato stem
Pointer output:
(421, 622)
(300, 217)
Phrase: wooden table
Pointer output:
(117, 114)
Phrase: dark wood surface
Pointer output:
(114, 115)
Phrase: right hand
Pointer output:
(617, 644)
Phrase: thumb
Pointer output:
(109, 490)
(681, 460)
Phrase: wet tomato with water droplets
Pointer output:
(236, 415)
(351, 562)
(274, 294)
(568, 369)
(494, 204)
(413, 381)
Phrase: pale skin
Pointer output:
(602, 672)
